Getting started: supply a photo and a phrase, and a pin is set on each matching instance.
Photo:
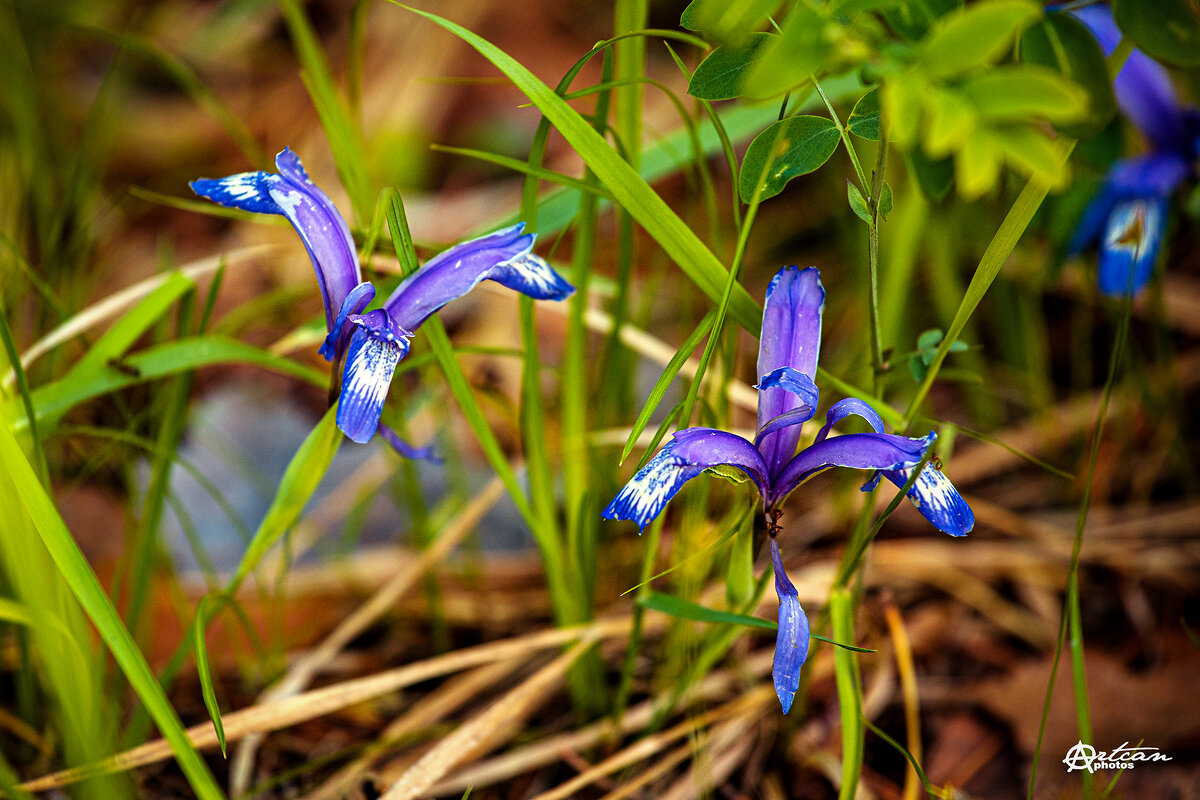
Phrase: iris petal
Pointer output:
(936, 498)
(358, 299)
(689, 453)
(502, 256)
(321, 227)
(374, 352)
(1132, 239)
(791, 337)
(249, 191)
(854, 450)
(802, 387)
(791, 639)
(427, 453)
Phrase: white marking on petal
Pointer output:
(938, 501)
(647, 493)
(1133, 227)
(288, 200)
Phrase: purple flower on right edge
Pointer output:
(1128, 217)
(787, 398)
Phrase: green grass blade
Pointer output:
(14, 360)
(998, 250)
(517, 165)
(344, 139)
(200, 648)
(902, 750)
(122, 335)
(156, 362)
(664, 382)
(87, 589)
(627, 186)
(849, 691)
(685, 609)
(304, 472)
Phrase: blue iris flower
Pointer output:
(373, 342)
(1128, 216)
(787, 398)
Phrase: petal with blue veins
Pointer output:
(936, 498)
(791, 337)
(689, 453)
(501, 256)
(854, 450)
(375, 349)
(791, 639)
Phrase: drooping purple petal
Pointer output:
(854, 450)
(1132, 239)
(502, 256)
(844, 408)
(358, 299)
(798, 384)
(325, 234)
(427, 453)
(375, 349)
(1143, 88)
(791, 337)
(689, 453)
(936, 498)
(791, 640)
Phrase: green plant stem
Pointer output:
(858, 170)
(873, 264)
(849, 691)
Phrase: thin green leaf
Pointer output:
(1003, 243)
(200, 648)
(157, 362)
(344, 139)
(627, 186)
(517, 165)
(301, 478)
(685, 609)
(664, 382)
(902, 750)
(842, 645)
(87, 589)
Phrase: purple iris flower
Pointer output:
(373, 342)
(787, 398)
(1128, 217)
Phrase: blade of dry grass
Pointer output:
(305, 668)
(487, 729)
(656, 743)
(437, 706)
(329, 699)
